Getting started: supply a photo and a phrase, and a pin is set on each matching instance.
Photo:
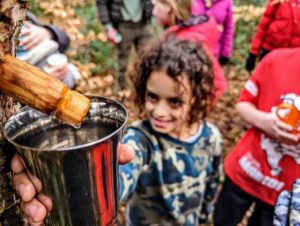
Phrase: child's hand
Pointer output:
(33, 35)
(113, 35)
(250, 62)
(279, 130)
(36, 205)
(59, 72)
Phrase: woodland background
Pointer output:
(95, 58)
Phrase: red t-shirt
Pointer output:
(258, 164)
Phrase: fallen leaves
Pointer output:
(224, 114)
(247, 12)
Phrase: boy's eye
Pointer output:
(151, 97)
(175, 102)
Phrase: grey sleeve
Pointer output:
(103, 11)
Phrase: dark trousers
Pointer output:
(133, 34)
(233, 203)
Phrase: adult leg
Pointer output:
(231, 205)
(144, 35)
(123, 51)
(262, 215)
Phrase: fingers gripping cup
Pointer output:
(77, 167)
(290, 113)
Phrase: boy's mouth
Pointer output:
(159, 123)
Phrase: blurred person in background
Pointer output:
(279, 27)
(222, 11)
(176, 17)
(266, 160)
(127, 23)
(43, 45)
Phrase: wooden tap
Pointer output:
(33, 87)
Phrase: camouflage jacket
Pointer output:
(170, 182)
(287, 208)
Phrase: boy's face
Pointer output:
(168, 103)
(161, 11)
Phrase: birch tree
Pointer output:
(12, 13)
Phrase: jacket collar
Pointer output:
(195, 20)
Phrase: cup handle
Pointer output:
(282, 106)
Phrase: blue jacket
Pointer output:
(170, 182)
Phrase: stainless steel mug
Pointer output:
(77, 167)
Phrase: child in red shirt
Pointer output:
(266, 159)
(279, 27)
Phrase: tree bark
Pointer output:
(12, 13)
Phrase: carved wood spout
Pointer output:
(35, 88)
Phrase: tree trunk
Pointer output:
(12, 12)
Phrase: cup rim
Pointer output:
(76, 147)
(54, 62)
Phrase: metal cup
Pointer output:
(77, 167)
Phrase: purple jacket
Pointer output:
(222, 11)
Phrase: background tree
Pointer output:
(12, 12)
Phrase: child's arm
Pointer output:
(262, 28)
(56, 34)
(260, 35)
(129, 173)
(220, 84)
(213, 178)
(267, 122)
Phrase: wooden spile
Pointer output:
(35, 88)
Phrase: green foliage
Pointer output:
(249, 2)
(100, 53)
(244, 30)
(90, 16)
(35, 8)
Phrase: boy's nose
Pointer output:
(161, 109)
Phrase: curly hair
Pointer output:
(177, 57)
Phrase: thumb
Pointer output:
(125, 153)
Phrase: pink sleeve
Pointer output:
(219, 79)
(226, 40)
(198, 7)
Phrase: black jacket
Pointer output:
(109, 11)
